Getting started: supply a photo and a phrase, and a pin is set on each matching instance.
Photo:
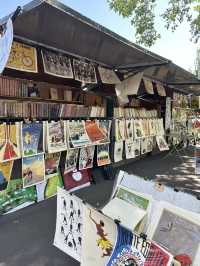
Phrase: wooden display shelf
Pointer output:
(37, 99)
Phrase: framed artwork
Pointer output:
(56, 139)
(86, 157)
(32, 139)
(71, 160)
(118, 151)
(33, 170)
(76, 179)
(77, 134)
(9, 142)
(58, 65)
(52, 161)
(162, 144)
(103, 154)
(94, 133)
(69, 224)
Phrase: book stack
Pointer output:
(13, 87)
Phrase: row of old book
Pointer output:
(13, 109)
(134, 113)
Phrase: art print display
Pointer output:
(103, 154)
(105, 127)
(76, 179)
(5, 174)
(118, 151)
(94, 132)
(69, 224)
(129, 129)
(138, 129)
(9, 142)
(119, 130)
(84, 72)
(86, 157)
(48, 188)
(23, 57)
(71, 160)
(137, 147)
(51, 164)
(32, 139)
(33, 170)
(150, 144)
(6, 39)
(77, 134)
(178, 231)
(108, 76)
(98, 239)
(57, 64)
(144, 144)
(56, 136)
(162, 144)
(129, 149)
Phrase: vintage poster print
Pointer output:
(57, 64)
(75, 180)
(93, 131)
(32, 139)
(56, 137)
(129, 149)
(144, 144)
(103, 154)
(118, 151)
(23, 57)
(99, 238)
(129, 129)
(150, 144)
(138, 129)
(108, 76)
(84, 72)
(52, 161)
(77, 134)
(5, 174)
(69, 224)
(148, 86)
(119, 130)
(86, 157)
(137, 147)
(105, 127)
(33, 170)
(71, 160)
(162, 144)
(9, 142)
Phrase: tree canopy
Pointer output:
(143, 17)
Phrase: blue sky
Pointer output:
(174, 46)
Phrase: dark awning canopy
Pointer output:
(51, 24)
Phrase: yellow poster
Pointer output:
(5, 170)
(23, 57)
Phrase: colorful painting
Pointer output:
(71, 160)
(86, 157)
(56, 140)
(162, 144)
(103, 155)
(75, 180)
(105, 127)
(33, 170)
(23, 57)
(77, 134)
(51, 164)
(9, 142)
(69, 224)
(5, 174)
(94, 132)
(58, 65)
(118, 151)
(32, 139)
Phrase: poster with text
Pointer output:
(103, 154)
(94, 133)
(118, 151)
(71, 160)
(56, 140)
(129, 135)
(51, 164)
(33, 170)
(86, 157)
(5, 174)
(105, 127)
(84, 72)
(129, 149)
(119, 130)
(138, 129)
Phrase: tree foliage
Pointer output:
(143, 17)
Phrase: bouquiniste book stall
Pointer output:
(62, 114)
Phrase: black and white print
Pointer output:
(68, 235)
(84, 72)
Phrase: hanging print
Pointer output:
(138, 129)
(84, 72)
(32, 139)
(76, 179)
(56, 137)
(69, 224)
(23, 57)
(51, 164)
(119, 129)
(137, 147)
(162, 144)
(71, 160)
(108, 76)
(5, 174)
(93, 131)
(129, 129)
(118, 151)
(105, 127)
(33, 170)
(57, 64)
(144, 144)
(9, 142)
(77, 134)
(86, 157)
(103, 154)
(129, 149)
